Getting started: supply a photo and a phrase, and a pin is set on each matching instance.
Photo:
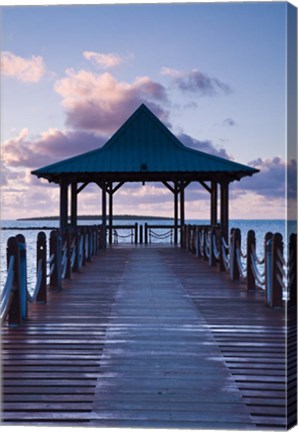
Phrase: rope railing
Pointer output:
(17, 293)
(6, 295)
(270, 272)
(160, 236)
(31, 298)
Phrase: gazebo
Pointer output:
(145, 150)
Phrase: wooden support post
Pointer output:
(213, 211)
(76, 236)
(250, 246)
(224, 209)
(146, 233)
(111, 214)
(83, 240)
(55, 250)
(141, 234)
(63, 204)
(136, 233)
(182, 206)
(15, 310)
(104, 213)
(41, 255)
(292, 278)
(176, 213)
(74, 204)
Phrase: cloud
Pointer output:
(100, 103)
(229, 122)
(205, 146)
(51, 146)
(26, 70)
(270, 182)
(105, 61)
(197, 81)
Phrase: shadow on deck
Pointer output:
(148, 336)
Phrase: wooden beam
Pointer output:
(104, 211)
(82, 187)
(208, 188)
(213, 203)
(118, 186)
(74, 204)
(110, 192)
(176, 213)
(63, 204)
(224, 209)
(172, 189)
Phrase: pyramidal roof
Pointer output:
(143, 144)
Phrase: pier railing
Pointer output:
(271, 272)
(67, 253)
(139, 233)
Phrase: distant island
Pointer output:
(93, 217)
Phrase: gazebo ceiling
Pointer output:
(144, 149)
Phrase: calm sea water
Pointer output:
(259, 226)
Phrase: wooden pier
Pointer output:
(150, 336)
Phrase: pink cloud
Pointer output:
(105, 61)
(27, 70)
(100, 103)
(51, 146)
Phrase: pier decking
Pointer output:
(148, 336)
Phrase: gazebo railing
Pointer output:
(270, 273)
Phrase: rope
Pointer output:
(32, 297)
(225, 259)
(255, 257)
(73, 255)
(243, 255)
(81, 252)
(258, 276)
(216, 252)
(7, 289)
(242, 270)
(161, 236)
(226, 246)
(64, 263)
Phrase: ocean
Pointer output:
(259, 226)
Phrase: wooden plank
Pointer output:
(169, 342)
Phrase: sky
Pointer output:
(214, 73)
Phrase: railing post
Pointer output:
(141, 234)
(268, 266)
(67, 240)
(15, 311)
(83, 240)
(146, 233)
(235, 240)
(55, 249)
(277, 274)
(197, 239)
(88, 248)
(212, 258)
(41, 254)
(136, 233)
(76, 236)
(23, 272)
(250, 246)
(221, 267)
(292, 271)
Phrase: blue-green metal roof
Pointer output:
(144, 144)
